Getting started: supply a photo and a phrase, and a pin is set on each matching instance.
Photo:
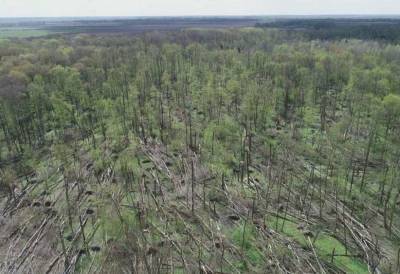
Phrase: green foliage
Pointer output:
(268, 119)
(324, 245)
(391, 107)
(101, 161)
(8, 179)
(222, 144)
(244, 236)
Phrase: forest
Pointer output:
(237, 150)
(367, 28)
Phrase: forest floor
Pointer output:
(216, 217)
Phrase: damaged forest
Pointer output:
(235, 150)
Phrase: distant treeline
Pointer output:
(371, 29)
(124, 25)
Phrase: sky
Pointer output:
(59, 8)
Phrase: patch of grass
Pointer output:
(324, 245)
(179, 270)
(244, 237)
(21, 32)
(289, 228)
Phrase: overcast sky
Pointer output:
(39, 8)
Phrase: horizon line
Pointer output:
(207, 15)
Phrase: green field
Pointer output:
(21, 32)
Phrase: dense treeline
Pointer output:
(256, 131)
(381, 29)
